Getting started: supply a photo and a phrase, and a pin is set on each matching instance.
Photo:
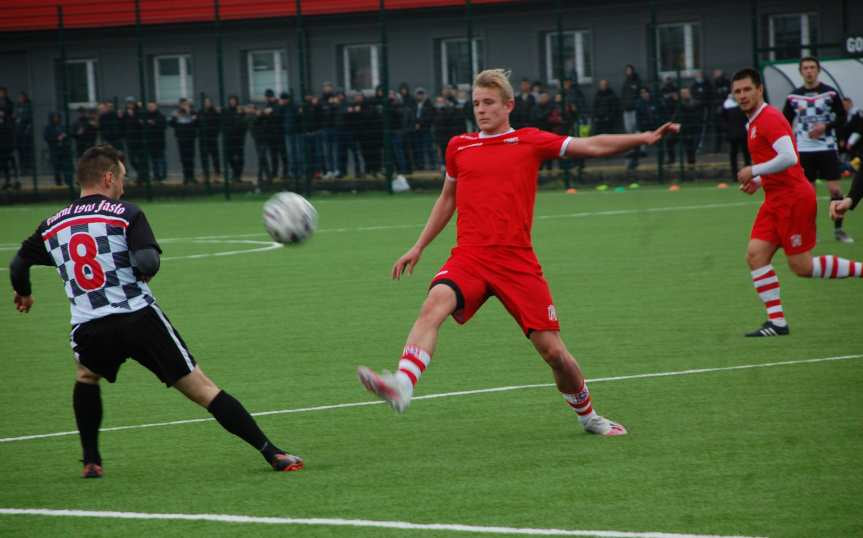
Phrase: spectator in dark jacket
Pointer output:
(235, 137)
(59, 149)
(85, 131)
(423, 142)
(628, 96)
(293, 135)
(133, 129)
(448, 123)
(734, 126)
(154, 124)
(276, 136)
(606, 109)
(690, 115)
(24, 133)
(524, 103)
(7, 148)
(210, 123)
(111, 125)
(702, 95)
(721, 90)
(6, 103)
(184, 121)
(649, 115)
(261, 134)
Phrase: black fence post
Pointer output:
(221, 75)
(142, 153)
(385, 84)
(305, 109)
(66, 157)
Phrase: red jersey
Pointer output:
(765, 127)
(496, 180)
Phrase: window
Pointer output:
(81, 83)
(791, 33)
(577, 62)
(679, 48)
(267, 70)
(173, 78)
(455, 61)
(361, 67)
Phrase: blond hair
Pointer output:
(497, 79)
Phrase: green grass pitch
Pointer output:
(644, 282)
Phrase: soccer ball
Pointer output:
(289, 218)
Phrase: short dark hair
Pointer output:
(96, 162)
(809, 59)
(749, 73)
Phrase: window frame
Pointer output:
(279, 67)
(375, 64)
(690, 69)
(185, 91)
(805, 31)
(91, 82)
(579, 37)
(444, 64)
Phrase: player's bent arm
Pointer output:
(440, 214)
(147, 261)
(19, 274)
(785, 158)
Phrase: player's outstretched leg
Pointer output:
(231, 414)
(398, 388)
(838, 232)
(87, 403)
(571, 383)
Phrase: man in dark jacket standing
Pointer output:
(24, 133)
(184, 121)
(59, 149)
(7, 148)
(606, 109)
(628, 97)
(154, 124)
(649, 115)
(111, 126)
(86, 132)
(210, 122)
(235, 137)
(133, 128)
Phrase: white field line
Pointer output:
(447, 395)
(16, 246)
(335, 522)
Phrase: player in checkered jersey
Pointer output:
(815, 111)
(105, 253)
(786, 219)
(491, 180)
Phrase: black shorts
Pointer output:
(103, 345)
(820, 165)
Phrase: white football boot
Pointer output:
(389, 387)
(602, 426)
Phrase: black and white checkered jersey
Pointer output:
(806, 107)
(90, 243)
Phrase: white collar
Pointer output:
(483, 135)
(757, 112)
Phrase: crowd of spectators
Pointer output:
(336, 133)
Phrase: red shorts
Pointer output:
(513, 275)
(789, 222)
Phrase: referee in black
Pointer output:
(105, 253)
(815, 112)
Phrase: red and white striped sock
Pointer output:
(580, 401)
(413, 363)
(835, 267)
(767, 286)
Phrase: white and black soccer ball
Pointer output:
(289, 218)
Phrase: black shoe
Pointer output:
(769, 329)
(287, 462)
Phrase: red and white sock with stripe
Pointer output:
(580, 401)
(767, 285)
(413, 363)
(835, 267)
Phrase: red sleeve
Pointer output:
(774, 127)
(548, 145)
(451, 150)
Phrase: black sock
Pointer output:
(87, 402)
(231, 414)
(837, 224)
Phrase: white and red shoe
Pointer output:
(388, 387)
(602, 426)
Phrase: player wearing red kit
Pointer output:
(787, 217)
(491, 180)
